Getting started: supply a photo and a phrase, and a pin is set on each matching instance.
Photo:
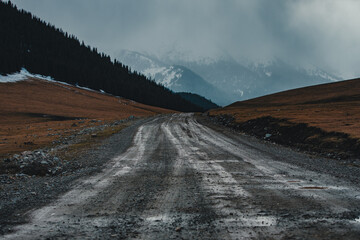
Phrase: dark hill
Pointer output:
(198, 100)
(342, 91)
(26, 41)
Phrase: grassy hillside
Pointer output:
(36, 112)
(331, 107)
(295, 116)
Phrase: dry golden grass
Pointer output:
(331, 107)
(23, 105)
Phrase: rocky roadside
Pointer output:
(347, 169)
(35, 178)
(47, 161)
(299, 136)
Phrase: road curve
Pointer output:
(183, 180)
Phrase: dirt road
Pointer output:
(181, 179)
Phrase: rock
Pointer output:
(267, 135)
(39, 154)
(43, 162)
(26, 153)
(178, 229)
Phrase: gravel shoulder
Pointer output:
(21, 193)
(344, 169)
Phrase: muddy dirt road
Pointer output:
(183, 180)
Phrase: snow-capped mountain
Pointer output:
(175, 77)
(244, 81)
(225, 80)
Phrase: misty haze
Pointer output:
(191, 119)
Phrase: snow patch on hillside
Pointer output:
(320, 73)
(239, 91)
(166, 76)
(21, 76)
(268, 74)
(151, 72)
(25, 75)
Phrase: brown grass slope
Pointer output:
(323, 119)
(36, 112)
(330, 107)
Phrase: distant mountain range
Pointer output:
(178, 78)
(224, 80)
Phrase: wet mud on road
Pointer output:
(181, 179)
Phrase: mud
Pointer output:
(180, 179)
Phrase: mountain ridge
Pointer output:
(234, 80)
(176, 77)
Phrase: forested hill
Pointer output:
(198, 100)
(26, 41)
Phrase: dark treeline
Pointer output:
(198, 100)
(27, 41)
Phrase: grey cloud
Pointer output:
(319, 32)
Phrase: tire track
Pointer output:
(182, 180)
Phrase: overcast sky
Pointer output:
(320, 32)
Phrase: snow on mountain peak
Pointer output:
(233, 79)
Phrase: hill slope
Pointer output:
(198, 100)
(322, 117)
(36, 112)
(332, 92)
(41, 48)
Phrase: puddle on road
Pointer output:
(313, 188)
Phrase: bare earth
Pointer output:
(181, 179)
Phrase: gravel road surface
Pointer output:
(182, 179)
